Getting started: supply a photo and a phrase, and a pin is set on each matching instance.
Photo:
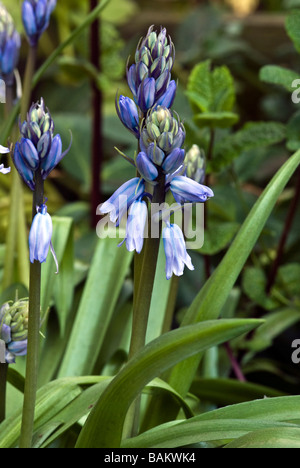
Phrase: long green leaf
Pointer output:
(276, 438)
(152, 360)
(188, 432)
(106, 276)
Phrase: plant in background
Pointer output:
(10, 43)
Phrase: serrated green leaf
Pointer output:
(254, 286)
(216, 119)
(211, 91)
(252, 135)
(293, 27)
(276, 75)
(218, 236)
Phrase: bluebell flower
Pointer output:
(135, 227)
(14, 329)
(40, 235)
(10, 43)
(118, 204)
(23, 169)
(128, 114)
(36, 17)
(175, 251)
(187, 190)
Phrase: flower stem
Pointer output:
(33, 333)
(142, 301)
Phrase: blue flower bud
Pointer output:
(54, 156)
(128, 114)
(10, 43)
(174, 160)
(155, 154)
(146, 167)
(29, 153)
(175, 251)
(167, 99)
(25, 172)
(146, 94)
(40, 235)
(189, 191)
(44, 145)
(36, 17)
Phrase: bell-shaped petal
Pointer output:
(25, 172)
(156, 154)
(167, 99)
(4, 170)
(29, 153)
(40, 235)
(53, 158)
(4, 150)
(44, 145)
(18, 348)
(118, 204)
(146, 167)
(135, 228)
(146, 94)
(28, 17)
(189, 191)
(175, 251)
(128, 114)
(174, 160)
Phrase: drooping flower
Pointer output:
(186, 190)
(135, 227)
(10, 43)
(149, 77)
(14, 329)
(38, 148)
(36, 18)
(40, 235)
(175, 251)
(121, 200)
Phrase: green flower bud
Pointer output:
(195, 164)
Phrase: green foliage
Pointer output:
(212, 96)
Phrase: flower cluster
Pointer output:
(38, 151)
(13, 329)
(160, 159)
(10, 43)
(36, 17)
(38, 148)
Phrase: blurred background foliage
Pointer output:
(237, 38)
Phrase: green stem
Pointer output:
(142, 301)
(33, 333)
(143, 296)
